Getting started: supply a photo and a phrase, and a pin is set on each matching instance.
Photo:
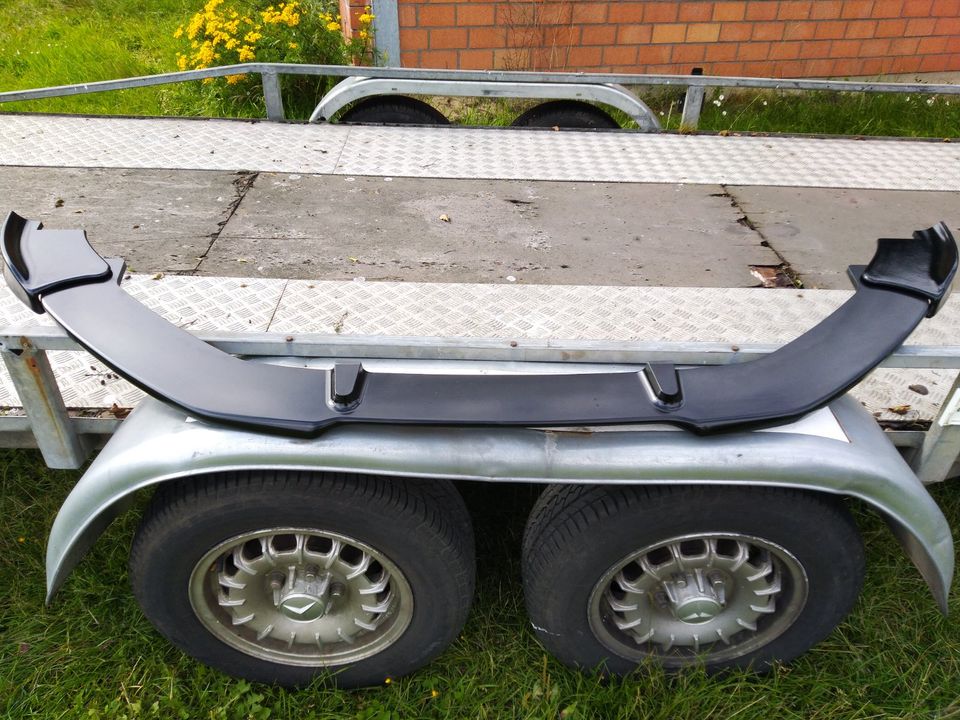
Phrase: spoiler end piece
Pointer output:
(23, 242)
(924, 265)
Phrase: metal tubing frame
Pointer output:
(939, 446)
(354, 88)
(386, 29)
(941, 443)
(692, 105)
(273, 96)
(481, 76)
(56, 436)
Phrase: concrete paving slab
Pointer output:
(333, 228)
(820, 232)
(159, 221)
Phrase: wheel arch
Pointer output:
(159, 444)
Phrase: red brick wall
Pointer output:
(778, 38)
(350, 11)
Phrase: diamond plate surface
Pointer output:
(632, 157)
(198, 304)
(209, 304)
(85, 382)
(734, 315)
(62, 141)
(550, 311)
(450, 152)
(204, 304)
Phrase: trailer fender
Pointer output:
(838, 450)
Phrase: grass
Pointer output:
(92, 654)
(54, 42)
(827, 113)
(58, 42)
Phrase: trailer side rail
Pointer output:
(65, 439)
(419, 81)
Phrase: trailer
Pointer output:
(305, 518)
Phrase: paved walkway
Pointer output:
(473, 205)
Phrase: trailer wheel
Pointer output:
(616, 577)
(394, 110)
(281, 576)
(565, 114)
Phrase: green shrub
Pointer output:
(298, 31)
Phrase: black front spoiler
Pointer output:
(58, 272)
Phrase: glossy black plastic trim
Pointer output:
(30, 275)
(925, 264)
(908, 279)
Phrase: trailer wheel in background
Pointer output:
(729, 577)
(565, 114)
(280, 576)
(394, 110)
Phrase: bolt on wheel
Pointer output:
(724, 577)
(282, 576)
(718, 596)
(300, 596)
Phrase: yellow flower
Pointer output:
(388, 681)
(363, 34)
(181, 62)
(293, 46)
(333, 26)
(252, 37)
(246, 53)
(366, 19)
(196, 23)
(179, 32)
(204, 56)
(434, 693)
(234, 79)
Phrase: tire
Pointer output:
(616, 577)
(394, 110)
(279, 577)
(566, 114)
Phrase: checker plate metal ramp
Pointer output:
(513, 312)
(451, 152)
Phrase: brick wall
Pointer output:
(779, 38)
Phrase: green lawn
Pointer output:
(58, 42)
(92, 654)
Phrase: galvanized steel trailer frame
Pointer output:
(66, 440)
(598, 87)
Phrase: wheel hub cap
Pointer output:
(713, 596)
(301, 597)
(694, 597)
(304, 608)
(306, 596)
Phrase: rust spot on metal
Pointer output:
(48, 404)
